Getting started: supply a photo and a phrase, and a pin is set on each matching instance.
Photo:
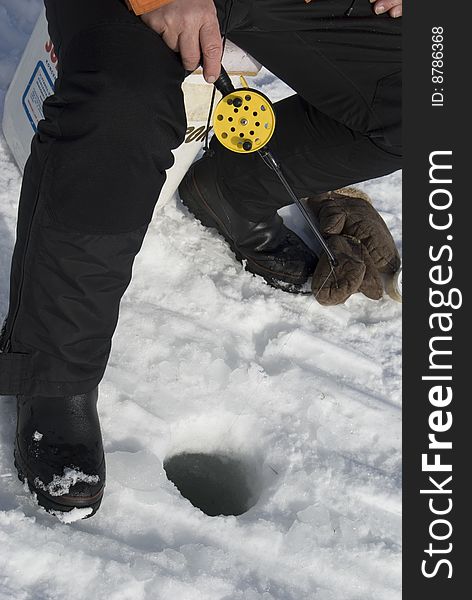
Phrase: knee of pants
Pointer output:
(119, 113)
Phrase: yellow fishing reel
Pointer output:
(244, 119)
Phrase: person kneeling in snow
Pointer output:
(98, 162)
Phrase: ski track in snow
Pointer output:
(208, 358)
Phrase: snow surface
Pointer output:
(207, 358)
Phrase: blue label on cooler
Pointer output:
(39, 87)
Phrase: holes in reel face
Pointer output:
(249, 130)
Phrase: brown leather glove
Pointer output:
(361, 243)
(355, 272)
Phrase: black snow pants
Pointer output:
(99, 158)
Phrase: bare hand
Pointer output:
(192, 29)
(393, 7)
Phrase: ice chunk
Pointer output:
(136, 470)
(76, 514)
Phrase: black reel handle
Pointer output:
(224, 84)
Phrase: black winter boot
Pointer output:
(269, 248)
(59, 451)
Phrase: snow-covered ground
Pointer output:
(209, 359)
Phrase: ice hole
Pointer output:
(217, 484)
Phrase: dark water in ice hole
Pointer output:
(214, 483)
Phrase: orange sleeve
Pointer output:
(144, 6)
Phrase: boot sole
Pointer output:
(208, 218)
(51, 503)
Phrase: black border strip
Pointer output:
(444, 128)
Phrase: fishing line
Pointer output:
(271, 162)
(206, 147)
